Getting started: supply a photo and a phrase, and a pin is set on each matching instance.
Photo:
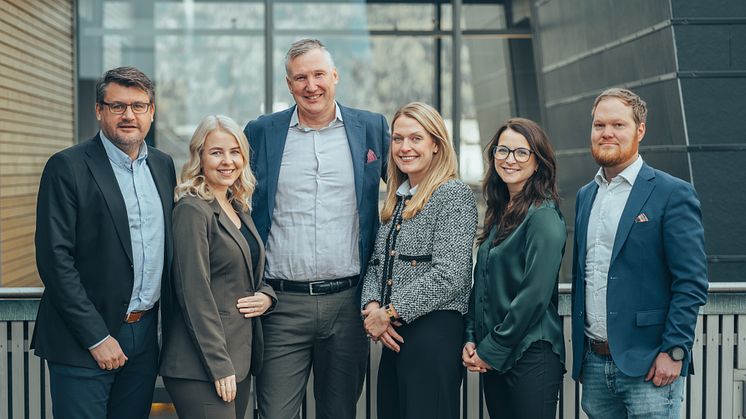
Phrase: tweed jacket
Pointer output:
(432, 256)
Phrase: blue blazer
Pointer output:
(657, 276)
(368, 135)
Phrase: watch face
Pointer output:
(677, 353)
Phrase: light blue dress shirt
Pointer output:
(315, 223)
(146, 223)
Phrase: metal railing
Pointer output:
(716, 391)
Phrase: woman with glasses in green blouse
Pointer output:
(513, 330)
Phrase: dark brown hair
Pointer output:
(127, 77)
(540, 186)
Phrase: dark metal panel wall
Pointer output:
(687, 59)
(710, 39)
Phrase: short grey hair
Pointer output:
(127, 77)
(304, 46)
(629, 98)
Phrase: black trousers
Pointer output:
(196, 399)
(529, 390)
(423, 379)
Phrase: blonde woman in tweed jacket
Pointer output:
(417, 285)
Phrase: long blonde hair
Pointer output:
(192, 180)
(443, 166)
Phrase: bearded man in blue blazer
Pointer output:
(318, 167)
(639, 273)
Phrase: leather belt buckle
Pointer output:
(312, 292)
(134, 316)
(600, 348)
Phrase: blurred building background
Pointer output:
(479, 62)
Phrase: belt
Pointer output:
(136, 316)
(598, 347)
(330, 286)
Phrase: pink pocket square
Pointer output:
(642, 218)
(371, 156)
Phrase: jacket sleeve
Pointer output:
(684, 245)
(545, 242)
(450, 273)
(385, 147)
(469, 333)
(55, 240)
(372, 280)
(193, 291)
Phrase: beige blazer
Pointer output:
(207, 337)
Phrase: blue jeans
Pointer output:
(608, 393)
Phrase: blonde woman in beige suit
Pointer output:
(212, 338)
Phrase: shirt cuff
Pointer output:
(94, 346)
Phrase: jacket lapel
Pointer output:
(258, 265)
(235, 234)
(276, 138)
(100, 167)
(356, 138)
(165, 191)
(585, 203)
(639, 194)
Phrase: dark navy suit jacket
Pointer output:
(657, 276)
(84, 251)
(368, 136)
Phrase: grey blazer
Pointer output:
(208, 338)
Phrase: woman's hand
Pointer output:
(376, 321)
(254, 305)
(226, 388)
(471, 359)
(391, 339)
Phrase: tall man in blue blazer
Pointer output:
(318, 166)
(103, 251)
(639, 273)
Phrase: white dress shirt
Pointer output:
(603, 222)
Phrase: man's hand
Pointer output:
(254, 305)
(471, 360)
(109, 355)
(664, 370)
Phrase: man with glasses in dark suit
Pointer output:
(103, 251)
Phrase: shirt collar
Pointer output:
(295, 121)
(629, 174)
(405, 189)
(118, 156)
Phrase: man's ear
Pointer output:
(641, 131)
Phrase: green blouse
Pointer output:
(514, 300)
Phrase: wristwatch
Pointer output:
(676, 353)
(390, 313)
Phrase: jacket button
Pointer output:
(406, 202)
(398, 227)
(389, 282)
(414, 263)
(392, 252)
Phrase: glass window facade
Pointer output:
(226, 57)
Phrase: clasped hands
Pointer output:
(379, 328)
(471, 359)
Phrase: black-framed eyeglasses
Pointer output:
(118, 108)
(520, 154)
